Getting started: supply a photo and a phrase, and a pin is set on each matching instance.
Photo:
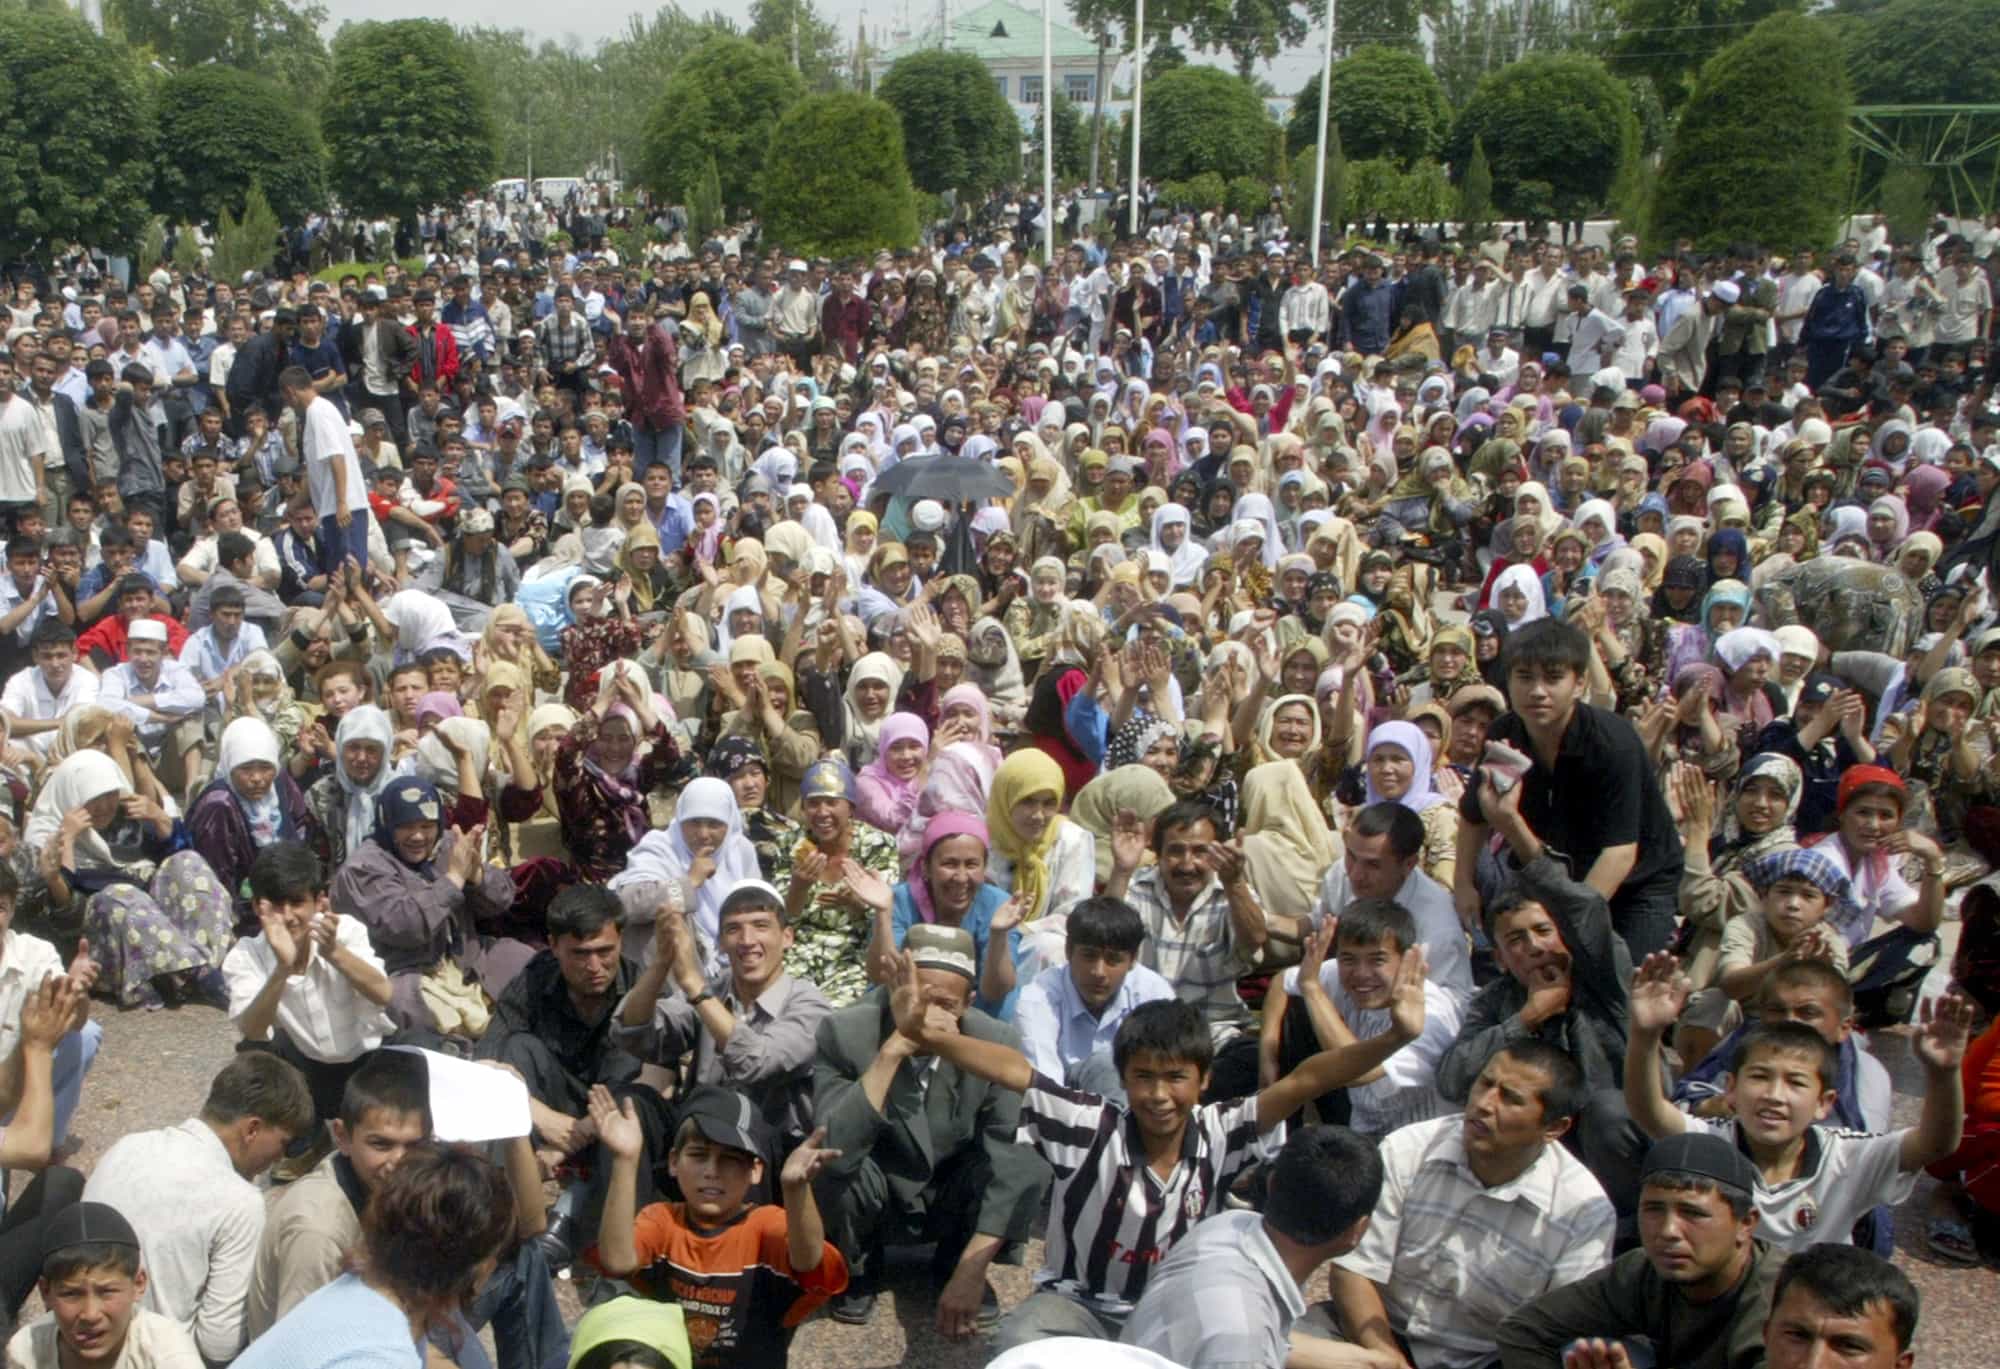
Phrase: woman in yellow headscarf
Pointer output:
(702, 357)
(639, 558)
(1047, 862)
(510, 636)
(1286, 842)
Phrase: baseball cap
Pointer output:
(1701, 1152)
(725, 1117)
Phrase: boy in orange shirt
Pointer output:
(744, 1274)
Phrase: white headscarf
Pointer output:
(1189, 557)
(423, 621)
(862, 733)
(435, 761)
(246, 742)
(664, 856)
(82, 776)
(363, 723)
(1258, 506)
(742, 597)
(1524, 579)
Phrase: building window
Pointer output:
(1079, 89)
(1031, 90)
(1001, 81)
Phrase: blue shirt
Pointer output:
(1058, 1033)
(345, 1323)
(978, 919)
(674, 524)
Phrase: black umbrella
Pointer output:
(948, 479)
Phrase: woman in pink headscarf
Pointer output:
(960, 778)
(886, 789)
(965, 715)
(948, 884)
(1923, 493)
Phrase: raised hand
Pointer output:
(724, 683)
(906, 999)
(867, 887)
(325, 931)
(467, 852)
(47, 1012)
(1596, 1354)
(805, 1162)
(292, 952)
(1696, 798)
(1313, 950)
(1128, 840)
(922, 620)
(1007, 916)
(1406, 995)
(83, 970)
(1943, 1026)
(1225, 859)
(1659, 993)
(616, 1124)
(810, 867)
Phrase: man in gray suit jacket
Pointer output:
(926, 1153)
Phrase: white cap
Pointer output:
(927, 515)
(1798, 640)
(1728, 291)
(795, 265)
(146, 630)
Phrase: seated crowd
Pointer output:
(671, 713)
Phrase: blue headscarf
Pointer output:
(405, 801)
(1733, 540)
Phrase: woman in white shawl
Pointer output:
(697, 859)
(1186, 555)
(742, 599)
(1518, 595)
(1258, 507)
(343, 803)
(993, 664)
(871, 696)
(423, 621)
(457, 750)
(818, 521)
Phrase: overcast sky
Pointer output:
(593, 22)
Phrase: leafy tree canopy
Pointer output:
(1786, 185)
(1072, 156)
(1926, 51)
(1668, 40)
(1199, 119)
(230, 129)
(76, 161)
(835, 182)
(1554, 130)
(775, 23)
(276, 40)
(389, 151)
(723, 99)
(959, 132)
(1385, 102)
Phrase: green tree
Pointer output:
(388, 151)
(1333, 207)
(1072, 159)
(1359, 23)
(1905, 200)
(1251, 31)
(789, 26)
(1386, 103)
(637, 64)
(705, 214)
(1558, 121)
(1941, 51)
(835, 182)
(723, 100)
(1475, 195)
(278, 41)
(551, 110)
(76, 155)
(1670, 40)
(1786, 185)
(229, 128)
(1199, 119)
(248, 242)
(959, 132)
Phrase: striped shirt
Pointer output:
(1111, 1218)
(1453, 1257)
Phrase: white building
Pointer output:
(1008, 39)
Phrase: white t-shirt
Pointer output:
(1407, 1091)
(327, 441)
(20, 451)
(1842, 1176)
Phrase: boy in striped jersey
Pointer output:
(1132, 1179)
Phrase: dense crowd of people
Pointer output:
(1429, 764)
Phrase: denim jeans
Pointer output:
(520, 1302)
(653, 446)
(342, 543)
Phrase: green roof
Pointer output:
(999, 31)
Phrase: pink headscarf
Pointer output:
(975, 699)
(1925, 486)
(438, 705)
(952, 824)
(880, 798)
(961, 777)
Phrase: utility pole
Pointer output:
(1325, 94)
(1097, 110)
(1048, 141)
(795, 35)
(1138, 83)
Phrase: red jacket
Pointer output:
(649, 376)
(445, 343)
(109, 636)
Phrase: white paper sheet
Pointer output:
(473, 1102)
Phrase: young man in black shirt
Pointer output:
(1590, 793)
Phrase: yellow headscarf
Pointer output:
(1020, 777)
(642, 534)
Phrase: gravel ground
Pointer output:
(155, 1067)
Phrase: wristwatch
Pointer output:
(700, 998)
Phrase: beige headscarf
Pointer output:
(1286, 842)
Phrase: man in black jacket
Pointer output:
(253, 376)
(379, 353)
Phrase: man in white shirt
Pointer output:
(1496, 358)
(1594, 337)
(1479, 1214)
(38, 698)
(333, 470)
(26, 963)
(1966, 297)
(162, 698)
(189, 1191)
(23, 458)
(1641, 343)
